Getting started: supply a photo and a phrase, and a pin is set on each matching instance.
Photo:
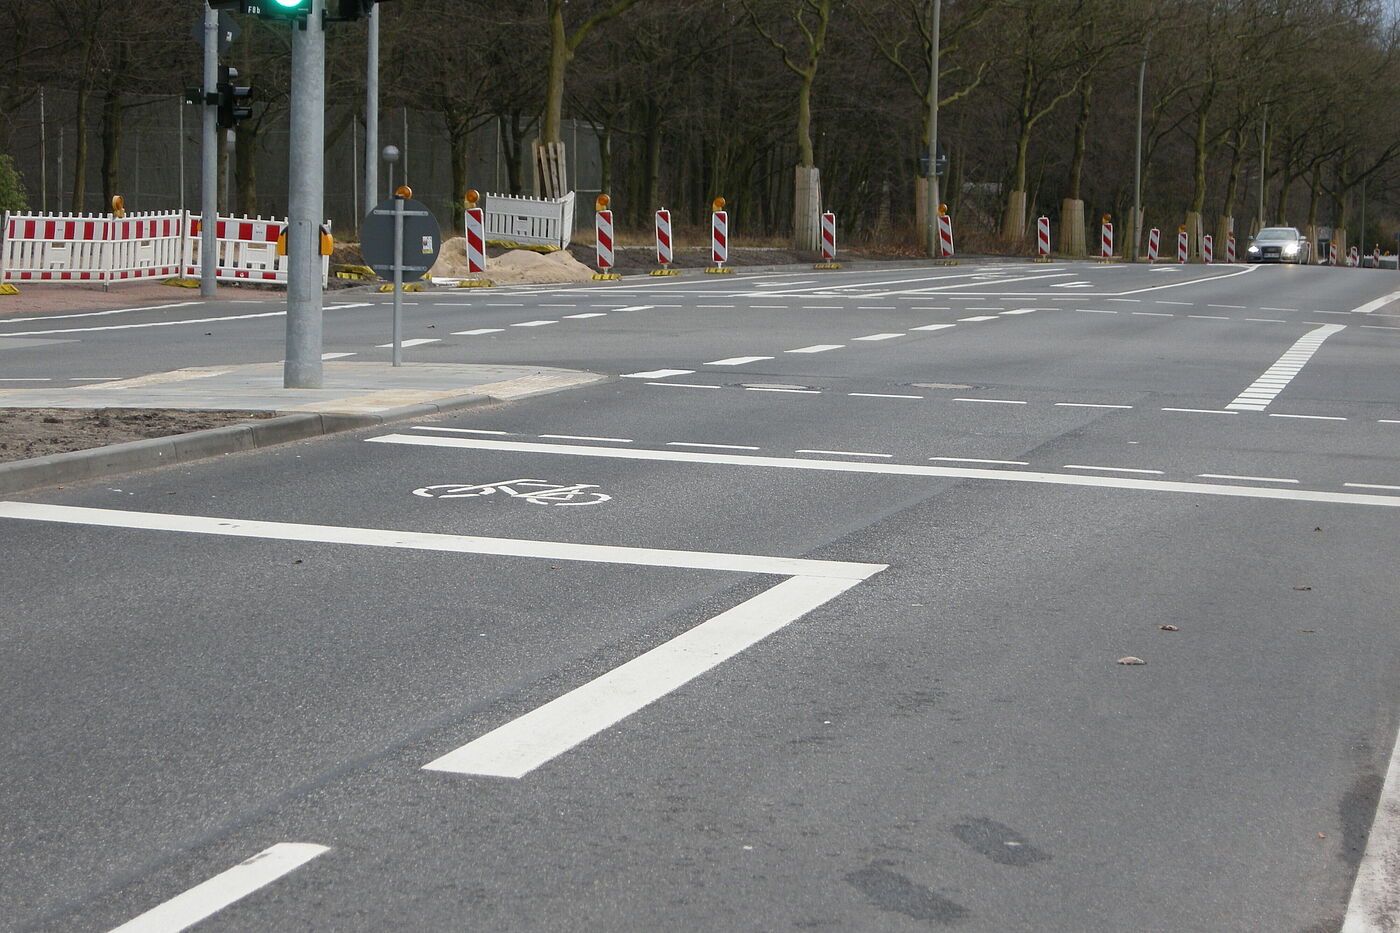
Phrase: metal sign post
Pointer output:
(398, 236)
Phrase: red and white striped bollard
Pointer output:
(1208, 248)
(476, 240)
(603, 233)
(664, 254)
(945, 232)
(1230, 248)
(1106, 239)
(1154, 244)
(719, 238)
(1181, 244)
(1042, 237)
(828, 237)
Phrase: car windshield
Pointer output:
(1277, 233)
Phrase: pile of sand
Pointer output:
(519, 266)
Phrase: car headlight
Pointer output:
(1291, 249)
(1254, 249)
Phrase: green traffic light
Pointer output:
(288, 4)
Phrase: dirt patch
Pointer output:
(513, 267)
(39, 432)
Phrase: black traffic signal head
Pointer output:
(235, 103)
(351, 9)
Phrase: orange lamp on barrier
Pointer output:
(942, 210)
(403, 191)
(601, 202)
(472, 197)
(118, 206)
(718, 204)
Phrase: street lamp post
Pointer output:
(1137, 161)
(934, 11)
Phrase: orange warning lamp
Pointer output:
(1181, 229)
(472, 197)
(718, 204)
(1107, 218)
(403, 191)
(601, 202)
(118, 206)
(942, 210)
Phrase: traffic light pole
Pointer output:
(372, 112)
(305, 201)
(209, 186)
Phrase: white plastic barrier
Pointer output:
(246, 250)
(545, 222)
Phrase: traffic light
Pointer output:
(351, 9)
(234, 102)
(276, 9)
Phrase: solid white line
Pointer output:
(714, 446)
(586, 314)
(208, 898)
(992, 401)
(1370, 306)
(452, 544)
(427, 427)
(658, 373)
(1308, 417)
(335, 356)
(533, 323)
(524, 744)
(1203, 411)
(1258, 479)
(578, 437)
(980, 317)
(844, 453)
(684, 385)
(738, 360)
(880, 395)
(193, 320)
(1267, 387)
(1375, 900)
(1203, 279)
(479, 330)
(795, 391)
(59, 317)
(28, 379)
(974, 460)
(1017, 311)
(817, 348)
(636, 308)
(1370, 486)
(934, 327)
(1088, 405)
(415, 342)
(1080, 466)
(890, 469)
(878, 337)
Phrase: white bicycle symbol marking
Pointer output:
(537, 491)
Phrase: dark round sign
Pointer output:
(422, 238)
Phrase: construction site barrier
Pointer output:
(534, 221)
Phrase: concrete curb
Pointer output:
(77, 465)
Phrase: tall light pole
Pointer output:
(1263, 142)
(935, 9)
(372, 112)
(1137, 160)
(306, 202)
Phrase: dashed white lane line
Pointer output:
(1108, 469)
(710, 446)
(643, 307)
(976, 460)
(992, 401)
(773, 389)
(1387, 421)
(1186, 304)
(1229, 307)
(1261, 308)
(1370, 486)
(533, 323)
(844, 453)
(933, 327)
(881, 395)
(1153, 313)
(878, 337)
(579, 437)
(415, 342)
(1265, 389)
(478, 332)
(505, 304)
(1251, 479)
(714, 306)
(193, 320)
(208, 898)
(1203, 411)
(1088, 405)
(1370, 306)
(658, 373)
(892, 469)
(429, 427)
(1265, 320)
(335, 356)
(738, 360)
(1096, 310)
(1017, 311)
(770, 307)
(817, 348)
(1274, 414)
(28, 379)
(823, 307)
(586, 314)
(1208, 317)
(980, 317)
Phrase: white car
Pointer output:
(1279, 244)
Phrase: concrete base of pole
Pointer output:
(1072, 242)
(1193, 236)
(807, 208)
(1013, 222)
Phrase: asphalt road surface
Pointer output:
(811, 619)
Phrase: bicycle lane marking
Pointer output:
(519, 746)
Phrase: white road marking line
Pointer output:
(341, 307)
(1380, 327)
(1370, 306)
(890, 469)
(1132, 300)
(714, 306)
(1018, 311)
(1096, 311)
(1265, 320)
(574, 305)
(1196, 281)
(1277, 309)
(823, 307)
(335, 356)
(1203, 411)
(1088, 405)
(415, 342)
(980, 317)
(934, 327)
(658, 373)
(771, 307)
(794, 391)
(1254, 479)
(1082, 466)
(684, 385)
(975, 460)
(524, 744)
(1187, 304)
(193, 320)
(478, 331)
(844, 453)
(578, 437)
(28, 379)
(713, 446)
(209, 897)
(1266, 388)
(505, 304)
(1370, 486)
(874, 307)
(585, 315)
(878, 337)
(1229, 307)
(1330, 312)
(1208, 317)
(533, 323)
(881, 395)
(60, 317)
(1274, 414)
(428, 427)
(1072, 285)
(817, 348)
(1386, 421)
(993, 401)
(638, 308)
(1153, 313)
(738, 360)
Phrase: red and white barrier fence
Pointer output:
(1042, 237)
(1208, 248)
(719, 237)
(1230, 248)
(664, 254)
(945, 234)
(1154, 243)
(1106, 240)
(1181, 245)
(105, 248)
(476, 240)
(828, 237)
(603, 239)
